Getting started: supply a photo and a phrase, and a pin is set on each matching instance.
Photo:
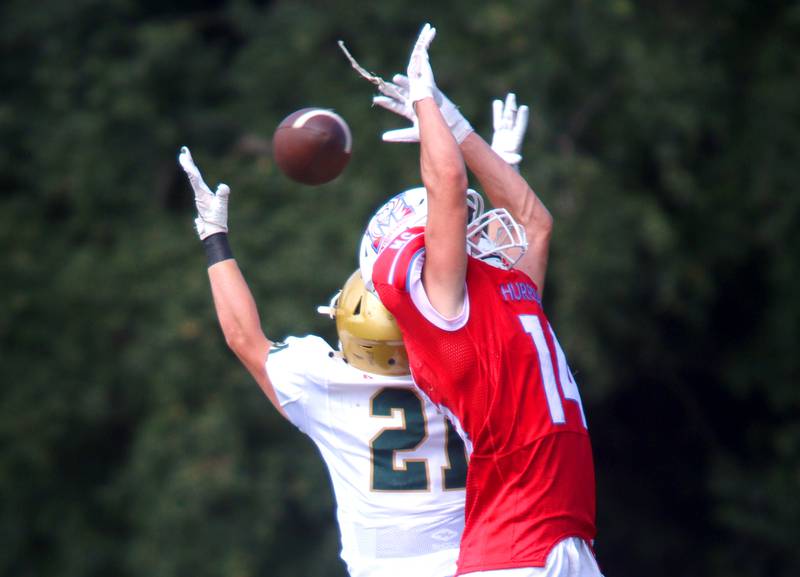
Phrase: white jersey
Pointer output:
(397, 465)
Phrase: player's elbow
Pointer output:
(545, 224)
(536, 219)
(238, 340)
(539, 235)
(445, 178)
(250, 349)
(538, 232)
(236, 344)
(454, 177)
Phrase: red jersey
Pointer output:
(503, 376)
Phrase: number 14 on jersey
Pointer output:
(533, 326)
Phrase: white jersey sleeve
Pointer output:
(420, 299)
(296, 368)
(397, 466)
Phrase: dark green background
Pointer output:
(664, 138)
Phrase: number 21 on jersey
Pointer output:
(533, 326)
(411, 474)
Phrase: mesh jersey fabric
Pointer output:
(505, 378)
(387, 451)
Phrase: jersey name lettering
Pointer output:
(519, 291)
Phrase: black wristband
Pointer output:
(217, 248)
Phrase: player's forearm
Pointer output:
(233, 301)
(441, 164)
(445, 179)
(504, 186)
(236, 310)
(241, 325)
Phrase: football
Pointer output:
(312, 145)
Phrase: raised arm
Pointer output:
(233, 301)
(498, 175)
(445, 179)
(495, 167)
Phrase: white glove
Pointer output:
(212, 207)
(509, 124)
(395, 97)
(420, 74)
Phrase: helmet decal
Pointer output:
(401, 212)
(387, 219)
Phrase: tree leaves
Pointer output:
(663, 139)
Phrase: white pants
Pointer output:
(571, 557)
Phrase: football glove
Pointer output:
(395, 97)
(509, 124)
(420, 74)
(212, 207)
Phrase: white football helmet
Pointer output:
(401, 212)
(492, 236)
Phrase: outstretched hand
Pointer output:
(397, 100)
(420, 73)
(399, 95)
(510, 124)
(212, 207)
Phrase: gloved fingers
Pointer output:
(393, 105)
(410, 134)
(426, 36)
(419, 60)
(420, 74)
(223, 191)
(497, 114)
(401, 81)
(391, 90)
(190, 168)
(510, 110)
(521, 122)
(185, 159)
(187, 162)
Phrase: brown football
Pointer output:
(312, 145)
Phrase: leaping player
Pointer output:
(480, 345)
(397, 466)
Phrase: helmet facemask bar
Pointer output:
(475, 205)
(330, 310)
(495, 237)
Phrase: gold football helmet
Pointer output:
(369, 337)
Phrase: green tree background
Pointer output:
(665, 139)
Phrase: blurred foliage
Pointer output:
(665, 139)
